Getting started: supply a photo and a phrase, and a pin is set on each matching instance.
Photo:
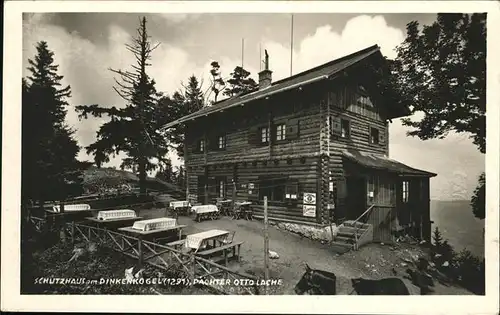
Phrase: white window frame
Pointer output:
(264, 135)
(280, 132)
(405, 198)
(222, 142)
(202, 145)
(221, 188)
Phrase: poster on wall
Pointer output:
(309, 198)
(309, 211)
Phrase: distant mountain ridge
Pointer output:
(455, 220)
(105, 179)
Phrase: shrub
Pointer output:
(465, 268)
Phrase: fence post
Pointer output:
(73, 232)
(141, 255)
(266, 244)
(193, 267)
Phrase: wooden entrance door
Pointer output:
(356, 197)
(202, 181)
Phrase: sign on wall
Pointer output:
(309, 198)
(309, 211)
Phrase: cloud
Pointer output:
(325, 44)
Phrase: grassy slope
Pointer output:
(113, 178)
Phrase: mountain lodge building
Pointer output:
(316, 144)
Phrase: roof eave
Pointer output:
(242, 102)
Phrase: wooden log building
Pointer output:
(316, 144)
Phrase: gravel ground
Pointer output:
(371, 261)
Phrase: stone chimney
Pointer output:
(266, 75)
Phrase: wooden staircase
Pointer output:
(352, 234)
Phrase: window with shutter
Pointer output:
(381, 137)
(292, 191)
(292, 129)
(254, 136)
(336, 125)
(374, 135)
(345, 126)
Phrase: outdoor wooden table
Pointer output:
(195, 241)
(205, 211)
(225, 206)
(242, 208)
(153, 234)
(180, 206)
(118, 222)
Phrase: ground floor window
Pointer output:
(370, 190)
(273, 188)
(406, 191)
(221, 187)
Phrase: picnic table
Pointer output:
(224, 206)
(221, 243)
(205, 212)
(155, 234)
(177, 207)
(242, 209)
(70, 208)
(113, 223)
(202, 239)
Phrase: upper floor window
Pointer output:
(374, 135)
(345, 126)
(264, 135)
(280, 132)
(201, 146)
(222, 142)
(406, 191)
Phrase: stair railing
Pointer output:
(357, 228)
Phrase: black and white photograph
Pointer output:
(251, 149)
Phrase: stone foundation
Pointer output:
(311, 232)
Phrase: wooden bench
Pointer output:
(177, 244)
(224, 249)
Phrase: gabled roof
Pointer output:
(316, 74)
(383, 163)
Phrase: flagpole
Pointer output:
(242, 51)
(260, 57)
(291, 48)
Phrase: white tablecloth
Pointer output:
(204, 209)
(179, 204)
(194, 240)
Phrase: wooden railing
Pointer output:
(356, 236)
(163, 257)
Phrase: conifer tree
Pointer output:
(133, 129)
(50, 169)
(240, 82)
